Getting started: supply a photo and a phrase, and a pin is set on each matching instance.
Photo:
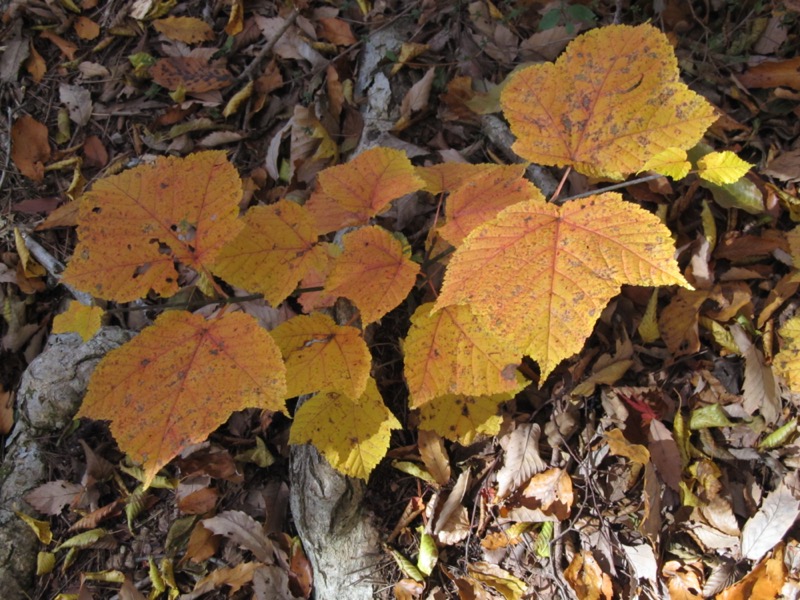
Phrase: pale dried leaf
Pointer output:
(766, 528)
(243, 530)
(522, 460)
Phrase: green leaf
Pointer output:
(709, 416)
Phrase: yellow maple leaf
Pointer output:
(352, 434)
(460, 418)
(450, 352)
(352, 193)
(539, 275)
(273, 252)
(787, 361)
(722, 168)
(375, 271)
(321, 355)
(79, 318)
(672, 162)
(611, 102)
(132, 227)
(480, 198)
(180, 379)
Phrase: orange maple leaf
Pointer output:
(450, 352)
(321, 355)
(446, 177)
(374, 271)
(539, 275)
(180, 379)
(480, 198)
(611, 102)
(352, 193)
(134, 226)
(273, 252)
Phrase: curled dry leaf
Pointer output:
(521, 460)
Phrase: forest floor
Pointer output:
(649, 514)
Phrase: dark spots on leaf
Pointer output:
(144, 362)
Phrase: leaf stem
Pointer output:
(611, 188)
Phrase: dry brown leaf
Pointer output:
(434, 455)
(521, 460)
(415, 99)
(587, 578)
(30, 149)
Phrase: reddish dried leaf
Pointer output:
(374, 271)
(336, 31)
(135, 225)
(539, 275)
(587, 578)
(86, 28)
(191, 73)
(273, 252)
(769, 74)
(30, 149)
(611, 102)
(352, 193)
(321, 355)
(181, 378)
(68, 49)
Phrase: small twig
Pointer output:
(256, 62)
(561, 183)
(8, 149)
(53, 266)
(611, 188)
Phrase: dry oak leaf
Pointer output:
(611, 102)
(79, 318)
(189, 30)
(375, 271)
(352, 434)
(193, 74)
(273, 252)
(462, 418)
(134, 226)
(539, 275)
(180, 379)
(553, 491)
(449, 352)
(30, 149)
(321, 355)
(587, 579)
(479, 199)
(352, 193)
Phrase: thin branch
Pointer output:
(256, 62)
(611, 188)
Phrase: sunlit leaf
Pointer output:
(134, 226)
(375, 271)
(766, 528)
(609, 104)
(449, 352)
(180, 379)
(539, 275)
(352, 434)
(79, 318)
(352, 193)
(446, 177)
(273, 252)
(787, 361)
(461, 418)
(321, 355)
(483, 196)
(722, 167)
(671, 162)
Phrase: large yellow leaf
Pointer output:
(607, 105)
(450, 352)
(461, 418)
(353, 435)
(133, 226)
(539, 275)
(375, 271)
(274, 251)
(482, 197)
(352, 193)
(321, 355)
(180, 379)
(787, 361)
